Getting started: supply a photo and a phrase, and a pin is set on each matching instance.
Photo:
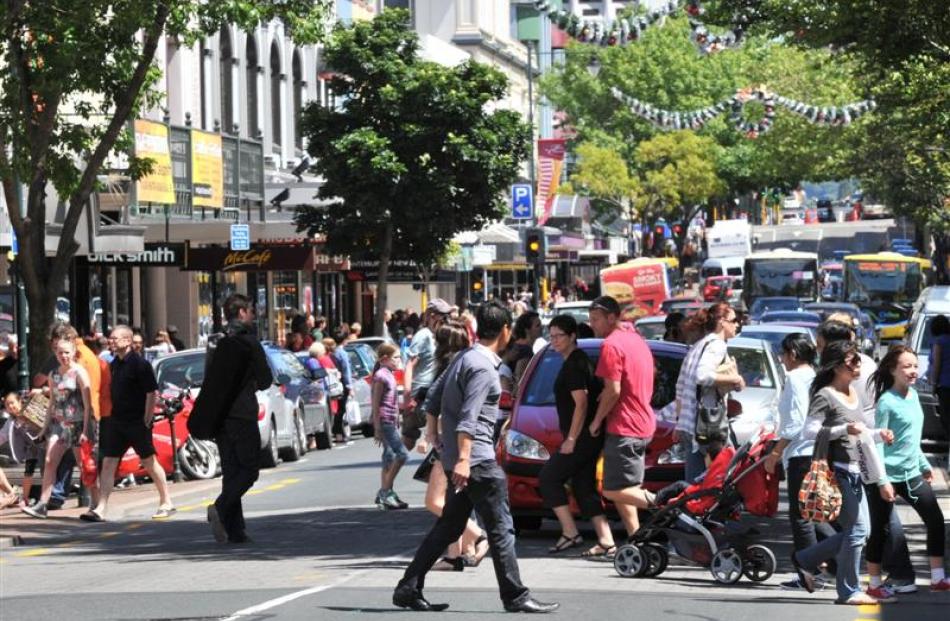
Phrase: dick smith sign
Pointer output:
(153, 255)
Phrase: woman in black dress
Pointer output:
(576, 390)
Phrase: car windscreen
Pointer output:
(580, 314)
(181, 370)
(753, 366)
(651, 330)
(540, 388)
(765, 306)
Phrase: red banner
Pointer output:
(550, 163)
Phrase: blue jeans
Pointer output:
(846, 545)
(393, 448)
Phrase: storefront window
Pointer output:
(286, 302)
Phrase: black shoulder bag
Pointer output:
(712, 423)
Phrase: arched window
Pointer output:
(275, 86)
(226, 62)
(298, 99)
(250, 53)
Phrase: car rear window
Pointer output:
(181, 370)
(540, 388)
(753, 366)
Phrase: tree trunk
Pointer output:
(382, 281)
(941, 249)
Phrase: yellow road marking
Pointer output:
(254, 492)
(134, 526)
(34, 552)
(869, 608)
(275, 486)
(290, 481)
(109, 534)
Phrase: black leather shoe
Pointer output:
(412, 599)
(532, 605)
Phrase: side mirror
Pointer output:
(282, 379)
(318, 374)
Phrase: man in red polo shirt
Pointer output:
(626, 366)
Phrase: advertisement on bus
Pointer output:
(640, 286)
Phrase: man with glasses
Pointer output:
(134, 392)
(626, 367)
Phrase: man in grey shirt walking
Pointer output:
(467, 401)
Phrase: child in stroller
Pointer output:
(694, 520)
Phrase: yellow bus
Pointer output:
(886, 285)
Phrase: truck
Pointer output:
(729, 238)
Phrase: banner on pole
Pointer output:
(207, 169)
(550, 163)
(151, 141)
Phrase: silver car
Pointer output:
(764, 378)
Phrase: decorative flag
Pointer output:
(550, 163)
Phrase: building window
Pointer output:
(226, 63)
(253, 123)
(298, 100)
(275, 86)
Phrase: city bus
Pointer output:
(639, 286)
(886, 285)
(780, 273)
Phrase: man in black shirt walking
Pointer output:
(237, 369)
(134, 392)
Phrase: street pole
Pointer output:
(538, 264)
(22, 308)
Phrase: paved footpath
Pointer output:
(322, 551)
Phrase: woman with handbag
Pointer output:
(576, 391)
(450, 338)
(707, 374)
(906, 467)
(834, 421)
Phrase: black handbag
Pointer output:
(425, 468)
(712, 423)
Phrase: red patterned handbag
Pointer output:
(819, 499)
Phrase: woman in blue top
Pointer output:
(905, 465)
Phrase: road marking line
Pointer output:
(134, 526)
(254, 492)
(36, 552)
(275, 487)
(289, 481)
(869, 608)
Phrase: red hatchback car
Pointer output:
(532, 433)
(718, 287)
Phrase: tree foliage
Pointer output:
(74, 74)
(665, 70)
(413, 155)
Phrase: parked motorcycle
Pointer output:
(198, 459)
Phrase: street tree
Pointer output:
(899, 51)
(74, 75)
(414, 153)
(665, 70)
(604, 176)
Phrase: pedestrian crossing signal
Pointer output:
(477, 294)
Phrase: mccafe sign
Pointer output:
(154, 255)
(262, 258)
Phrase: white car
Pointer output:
(578, 310)
(764, 377)
(792, 218)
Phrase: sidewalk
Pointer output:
(17, 528)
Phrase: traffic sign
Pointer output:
(14, 243)
(240, 237)
(522, 201)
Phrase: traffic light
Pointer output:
(477, 295)
(677, 230)
(534, 246)
(659, 231)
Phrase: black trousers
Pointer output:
(239, 444)
(943, 409)
(804, 532)
(487, 494)
(578, 467)
(921, 497)
(340, 412)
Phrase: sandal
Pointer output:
(600, 552)
(164, 513)
(91, 516)
(566, 543)
(472, 560)
(449, 564)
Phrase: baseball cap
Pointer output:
(438, 305)
(606, 304)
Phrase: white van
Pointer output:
(723, 266)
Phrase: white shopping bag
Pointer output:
(352, 414)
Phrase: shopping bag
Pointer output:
(88, 464)
(869, 460)
(352, 415)
(819, 499)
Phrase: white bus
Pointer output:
(781, 273)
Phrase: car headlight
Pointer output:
(520, 445)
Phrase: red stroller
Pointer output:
(693, 520)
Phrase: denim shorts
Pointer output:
(393, 448)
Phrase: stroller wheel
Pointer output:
(657, 559)
(630, 561)
(726, 566)
(759, 563)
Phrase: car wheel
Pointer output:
(271, 455)
(297, 447)
(368, 431)
(325, 438)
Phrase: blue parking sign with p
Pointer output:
(522, 201)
